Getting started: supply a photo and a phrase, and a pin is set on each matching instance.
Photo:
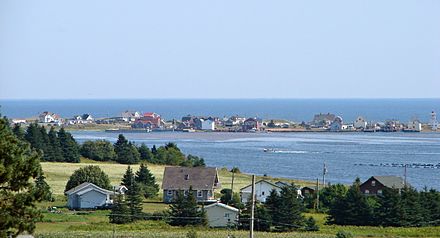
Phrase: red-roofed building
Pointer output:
(148, 120)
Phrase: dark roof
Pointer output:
(182, 178)
(390, 181)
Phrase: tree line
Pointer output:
(55, 146)
(404, 207)
(62, 147)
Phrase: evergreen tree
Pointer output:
(273, 202)
(289, 214)
(19, 165)
(46, 148)
(352, 209)
(18, 131)
(133, 195)
(390, 211)
(411, 207)
(126, 153)
(55, 153)
(34, 137)
(43, 188)
(147, 182)
(120, 214)
(145, 153)
(154, 150)
(430, 202)
(184, 210)
(69, 147)
(92, 174)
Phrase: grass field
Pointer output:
(95, 223)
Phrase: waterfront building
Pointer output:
(50, 117)
(251, 124)
(336, 125)
(414, 125)
(207, 124)
(360, 123)
(130, 116)
(323, 120)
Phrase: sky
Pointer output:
(219, 49)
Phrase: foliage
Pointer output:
(191, 234)
(310, 225)
(184, 211)
(99, 150)
(19, 165)
(145, 153)
(147, 182)
(119, 213)
(344, 234)
(351, 209)
(133, 196)
(231, 199)
(69, 146)
(92, 174)
(42, 187)
(126, 152)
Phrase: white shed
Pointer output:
(221, 215)
(262, 191)
(87, 195)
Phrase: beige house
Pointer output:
(221, 215)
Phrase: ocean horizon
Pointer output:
(297, 110)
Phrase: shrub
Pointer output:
(344, 234)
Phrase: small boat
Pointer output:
(268, 150)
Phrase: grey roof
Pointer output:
(391, 181)
(199, 178)
(85, 185)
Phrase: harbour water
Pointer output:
(302, 155)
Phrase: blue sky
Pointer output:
(219, 49)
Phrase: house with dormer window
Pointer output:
(202, 180)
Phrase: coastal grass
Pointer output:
(57, 174)
(68, 223)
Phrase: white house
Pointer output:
(88, 195)
(49, 117)
(208, 125)
(414, 125)
(360, 123)
(262, 191)
(129, 116)
(221, 215)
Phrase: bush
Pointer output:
(344, 234)
(92, 174)
(191, 234)
(311, 225)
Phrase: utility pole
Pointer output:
(317, 194)
(324, 172)
(232, 185)
(251, 227)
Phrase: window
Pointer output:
(199, 193)
(169, 192)
(379, 191)
(227, 215)
(185, 193)
(367, 191)
(262, 193)
(186, 176)
(373, 183)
